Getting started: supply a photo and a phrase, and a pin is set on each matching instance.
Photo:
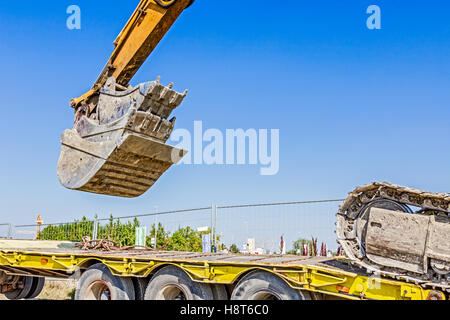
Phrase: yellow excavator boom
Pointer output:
(149, 23)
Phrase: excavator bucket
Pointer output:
(117, 146)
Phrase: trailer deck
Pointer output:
(321, 276)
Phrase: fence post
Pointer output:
(10, 231)
(215, 228)
(95, 230)
(212, 228)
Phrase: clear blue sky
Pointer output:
(352, 105)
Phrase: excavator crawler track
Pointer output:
(399, 232)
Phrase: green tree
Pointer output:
(186, 239)
(162, 235)
(299, 245)
(234, 249)
(67, 232)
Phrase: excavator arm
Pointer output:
(117, 146)
(144, 30)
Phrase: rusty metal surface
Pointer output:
(379, 230)
(109, 245)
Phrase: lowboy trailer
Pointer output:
(158, 275)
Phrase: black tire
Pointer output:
(219, 292)
(172, 283)
(21, 293)
(98, 283)
(140, 285)
(261, 285)
(36, 288)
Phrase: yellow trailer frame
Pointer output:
(324, 278)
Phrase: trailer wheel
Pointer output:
(172, 283)
(98, 283)
(140, 285)
(260, 285)
(36, 288)
(219, 292)
(21, 293)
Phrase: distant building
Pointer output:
(251, 245)
(260, 251)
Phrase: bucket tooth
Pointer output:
(121, 151)
(161, 100)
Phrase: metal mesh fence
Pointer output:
(159, 225)
(266, 223)
(119, 229)
(5, 231)
(70, 231)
